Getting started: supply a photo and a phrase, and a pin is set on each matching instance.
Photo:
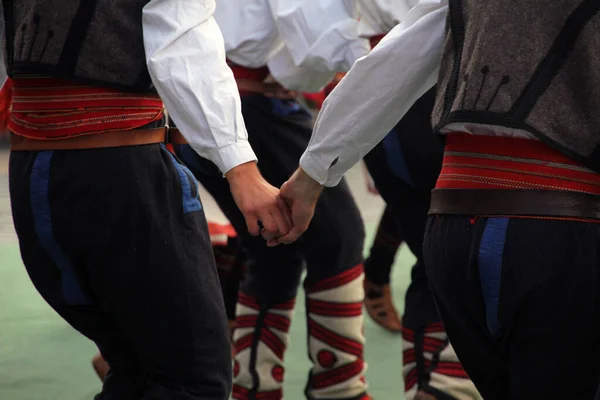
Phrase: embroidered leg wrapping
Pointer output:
(231, 261)
(335, 337)
(261, 338)
(431, 366)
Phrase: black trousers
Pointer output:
(404, 168)
(331, 250)
(520, 300)
(378, 266)
(232, 262)
(279, 132)
(115, 240)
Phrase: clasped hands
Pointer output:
(283, 213)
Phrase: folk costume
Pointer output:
(405, 166)
(511, 240)
(110, 226)
(300, 45)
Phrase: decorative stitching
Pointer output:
(78, 123)
(521, 172)
(79, 97)
(519, 159)
(485, 71)
(513, 183)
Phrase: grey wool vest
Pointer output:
(525, 64)
(97, 41)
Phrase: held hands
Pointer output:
(285, 214)
(259, 202)
(300, 193)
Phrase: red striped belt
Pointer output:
(519, 178)
(249, 80)
(48, 108)
(488, 162)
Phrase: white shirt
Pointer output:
(186, 59)
(379, 89)
(378, 17)
(303, 42)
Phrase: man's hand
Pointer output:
(301, 193)
(259, 202)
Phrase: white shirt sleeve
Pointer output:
(296, 77)
(317, 35)
(376, 93)
(185, 54)
(249, 31)
(378, 17)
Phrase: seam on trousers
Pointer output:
(190, 198)
(489, 264)
(39, 186)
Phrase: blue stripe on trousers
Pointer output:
(395, 157)
(40, 209)
(491, 251)
(191, 203)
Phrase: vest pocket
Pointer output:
(189, 185)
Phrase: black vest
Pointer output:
(98, 41)
(525, 64)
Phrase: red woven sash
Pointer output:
(488, 162)
(48, 108)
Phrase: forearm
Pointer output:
(186, 60)
(376, 93)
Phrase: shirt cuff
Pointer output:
(316, 169)
(231, 156)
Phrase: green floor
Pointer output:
(42, 358)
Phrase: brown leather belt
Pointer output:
(175, 137)
(514, 202)
(94, 141)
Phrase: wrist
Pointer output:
(245, 171)
(308, 182)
